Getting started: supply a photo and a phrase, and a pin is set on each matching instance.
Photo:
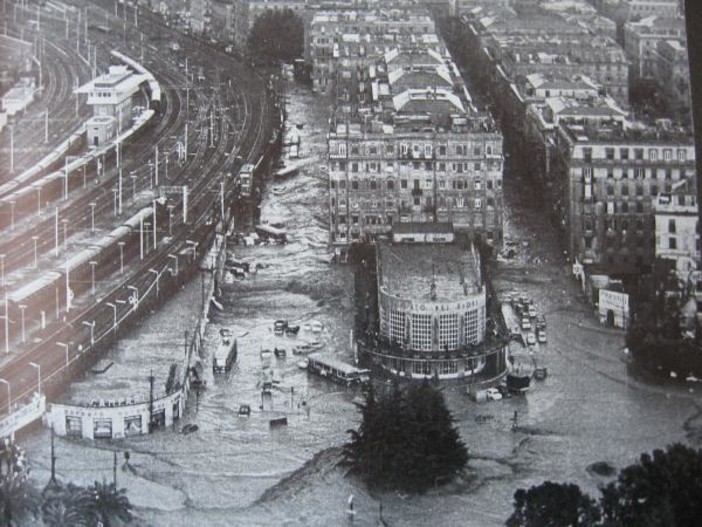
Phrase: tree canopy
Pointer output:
(663, 489)
(406, 440)
(277, 35)
(553, 505)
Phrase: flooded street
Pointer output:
(239, 471)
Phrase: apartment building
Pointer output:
(611, 177)
(406, 145)
(641, 40)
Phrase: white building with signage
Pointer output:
(613, 308)
(432, 308)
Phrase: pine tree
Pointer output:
(406, 440)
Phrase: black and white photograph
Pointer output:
(350, 263)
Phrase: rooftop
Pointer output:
(408, 271)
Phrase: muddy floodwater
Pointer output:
(239, 471)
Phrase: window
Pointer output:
(654, 173)
(667, 154)
(672, 243)
(342, 184)
(476, 150)
(354, 184)
(448, 331)
(403, 183)
(342, 218)
(421, 332)
(624, 153)
(373, 184)
(653, 154)
(342, 149)
(477, 203)
(333, 184)
(671, 226)
(354, 150)
(442, 167)
(389, 148)
(639, 207)
(587, 154)
(638, 153)
(372, 150)
(639, 190)
(476, 166)
(625, 173)
(471, 329)
(442, 150)
(625, 190)
(625, 207)
(354, 219)
(668, 173)
(609, 153)
(391, 184)
(354, 167)
(428, 166)
(428, 151)
(682, 154)
(610, 173)
(478, 185)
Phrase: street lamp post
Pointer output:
(133, 177)
(92, 217)
(38, 201)
(151, 174)
(91, 325)
(35, 239)
(114, 313)
(22, 308)
(170, 220)
(38, 367)
(64, 221)
(175, 259)
(121, 257)
(2, 270)
(65, 346)
(114, 202)
(12, 215)
(92, 263)
(9, 394)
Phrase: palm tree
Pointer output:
(111, 502)
(70, 505)
(17, 499)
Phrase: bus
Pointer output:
(225, 354)
(269, 232)
(336, 370)
(245, 180)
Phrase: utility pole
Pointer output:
(151, 400)
(53, 458)
(114, 468)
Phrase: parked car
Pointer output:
(541, 336)
(526, 323)
(532, 311)
(531, 339)
(493, 394)
(541, 322)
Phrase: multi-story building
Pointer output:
(677, 229)
(641, 41)
(406, 145)
(540, 41)
(610, 177)
(673, 78)
(350, 39)
(432, 306)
